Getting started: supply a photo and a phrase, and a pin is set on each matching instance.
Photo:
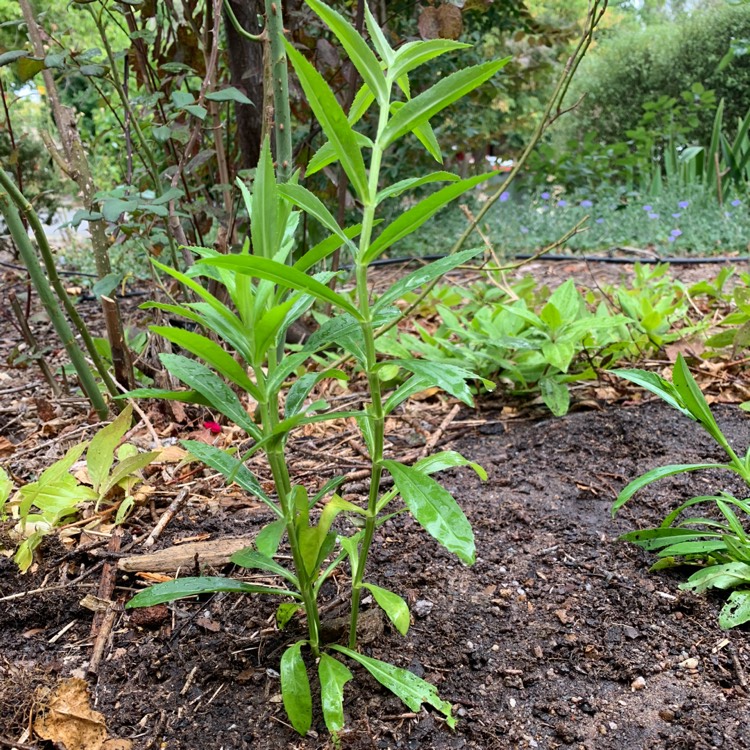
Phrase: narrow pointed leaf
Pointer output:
(309, 202)
(332, 119)
(447, 460)
(213, 388)
(284, 276)
(127, 467)
(413, 54)
(393, 605)
(435, 509)
(229, 467)
(421, 108)
(692, 396)
(450, 378)
(264, 202)
(660, 472)
(393, 191)
(424, 275)
(184, 587)
(186, 397)
(361, 56)
(378, 37)
(211, 353)
(249, 558)
(101, 453)
(323, 249)
(295, 689)
(412, 219)
(656, 385)
(412, 690)
(333, 677)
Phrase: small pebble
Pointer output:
(691, 663)
(423, 607)
(638, 684)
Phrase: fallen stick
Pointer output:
(432, 441)
(215, 552)
(107, 581)
(166, 517)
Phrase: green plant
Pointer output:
(720, 546)
(268, 295)
(112, 474)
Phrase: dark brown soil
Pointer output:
(558, 636)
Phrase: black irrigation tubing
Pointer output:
(672, 260)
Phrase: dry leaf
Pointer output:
(67, 719)
(450, 21)
(6, 447)
(428, 23)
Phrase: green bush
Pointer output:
(630, 69)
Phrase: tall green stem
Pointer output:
(376, 415)
(280, 85)
(23, 243)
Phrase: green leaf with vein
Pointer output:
(660, 472)
(208, 384)
(229, 467)
(425, 275)
(101, 453)
(184, 587)
(264, 203)
(211, 353)
(285, 276)
(378, 37)
(413, 54)
(309, 202)
(450, 378)
(394, 190)
(333, 676)
(409, 221)
(420, 109)
(360, 55)
(393, 605)
(736, 611)
(332, 119)
(435, 509)
(249, 558)
(412, 690)
(295, 688)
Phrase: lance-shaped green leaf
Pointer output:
(309, 202)
(448, 460)
(378, 37)
(265, 205)
(736, 611)
(420, 109)
(411, 220)
(186, 397)
(101, 453)
(269, 537)
(424, 275)
(211, 353)
(327, 153)
(333, 676)
(284, 276)
(393, 605)
(412, 690)
(249, 558)
(394, 190)
(269, 325)
(435, 509)
(213, 388)
(332, 119)
(323, 249)
(693, 398)
(413, 54)
(184, 587)
(359, 53)
(656, 385)
(450, 378)
(127, 467)
(295, 688)
(302, 386)
(660, 472)
(727, 576)
(229, 467)
(655, 539)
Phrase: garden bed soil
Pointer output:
(558, 636)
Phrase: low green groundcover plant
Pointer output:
(718, 544)
(268, 293)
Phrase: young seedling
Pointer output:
(268, 293)
(720, 546)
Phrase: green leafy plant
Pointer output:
(112, 474)
(720, 545)
(268, 293)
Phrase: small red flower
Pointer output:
(213, 427)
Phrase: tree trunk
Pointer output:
(246, 70)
